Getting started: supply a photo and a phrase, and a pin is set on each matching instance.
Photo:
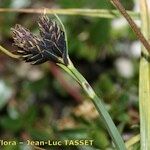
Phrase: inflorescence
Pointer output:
(50, 45)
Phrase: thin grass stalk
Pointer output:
(144, 84)
(102, 13)
(133, 25)
(5, 51)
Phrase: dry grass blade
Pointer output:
(133, 25)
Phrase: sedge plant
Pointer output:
(52, 45)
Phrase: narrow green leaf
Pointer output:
(104, 115)
(144, 84)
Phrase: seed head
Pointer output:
(49, 45)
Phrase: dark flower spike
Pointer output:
(50, 45)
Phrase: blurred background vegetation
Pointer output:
(43, 102)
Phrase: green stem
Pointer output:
(109, 124)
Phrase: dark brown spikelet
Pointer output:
(50, 45)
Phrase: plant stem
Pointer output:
(103, 13)
(109, 124)
(8, 53)
(132, 24)
(144, 83)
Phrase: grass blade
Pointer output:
(144, 84)
(102, 13)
